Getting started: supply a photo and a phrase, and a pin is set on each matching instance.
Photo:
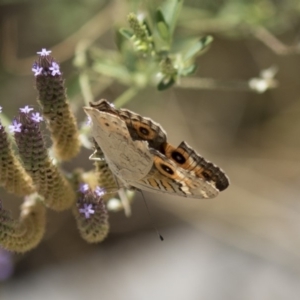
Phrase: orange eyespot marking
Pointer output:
(205, 174)
(165, 168)
(143, 130)
(179, 156)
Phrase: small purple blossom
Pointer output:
(84, 187)
(37, 70)
(87, 210)
(88, 121)
(26, 109)
(44, 52)
(6, 264)
(15, 127)
(55, 69)
(99, 191)
(36, 117)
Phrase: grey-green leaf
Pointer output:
(128, 34)
(197, 47)
(171, 10)
(162, 26)
(189, 70)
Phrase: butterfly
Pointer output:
(138, 154)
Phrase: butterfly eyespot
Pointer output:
(167, 169)
(106, 124)
(178, 157)
(144, 131)
(206, 175)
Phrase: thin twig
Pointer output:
(64, 50)
(267, 38)
(225, 85)
(126, 97)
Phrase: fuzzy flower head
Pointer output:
(91, 216)
(15, 127)
(89, 200)
(46, 65)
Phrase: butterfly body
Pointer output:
(138, 154)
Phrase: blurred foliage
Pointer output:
(255, 134)
(276, 15)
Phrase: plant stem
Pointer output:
(126, 97)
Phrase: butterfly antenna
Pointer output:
(153, 225)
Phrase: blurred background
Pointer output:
(245, 244)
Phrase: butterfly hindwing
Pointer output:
(165, 176)
(187, 158)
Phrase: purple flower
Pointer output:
(26, 109)
(44, 52)
(55, 69)
(15, 127)
(6, 265)
(99, 191)
(37, 70)
(87, 210)
(88, 121)
(84, 187)
(36, 117)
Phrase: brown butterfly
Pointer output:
(138, 154)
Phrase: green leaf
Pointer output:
(165, 83)
(162, 26)
(119, 40)
(171, 10)
(146, 24)
(189, 70)
(128, 34)
(113, 70)
(197, 47)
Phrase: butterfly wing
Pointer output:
(166, 177)
(188, 159)
(140, 128)
(144, 129)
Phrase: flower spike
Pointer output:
(91, 216)
(55, 107)
(49, 181)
